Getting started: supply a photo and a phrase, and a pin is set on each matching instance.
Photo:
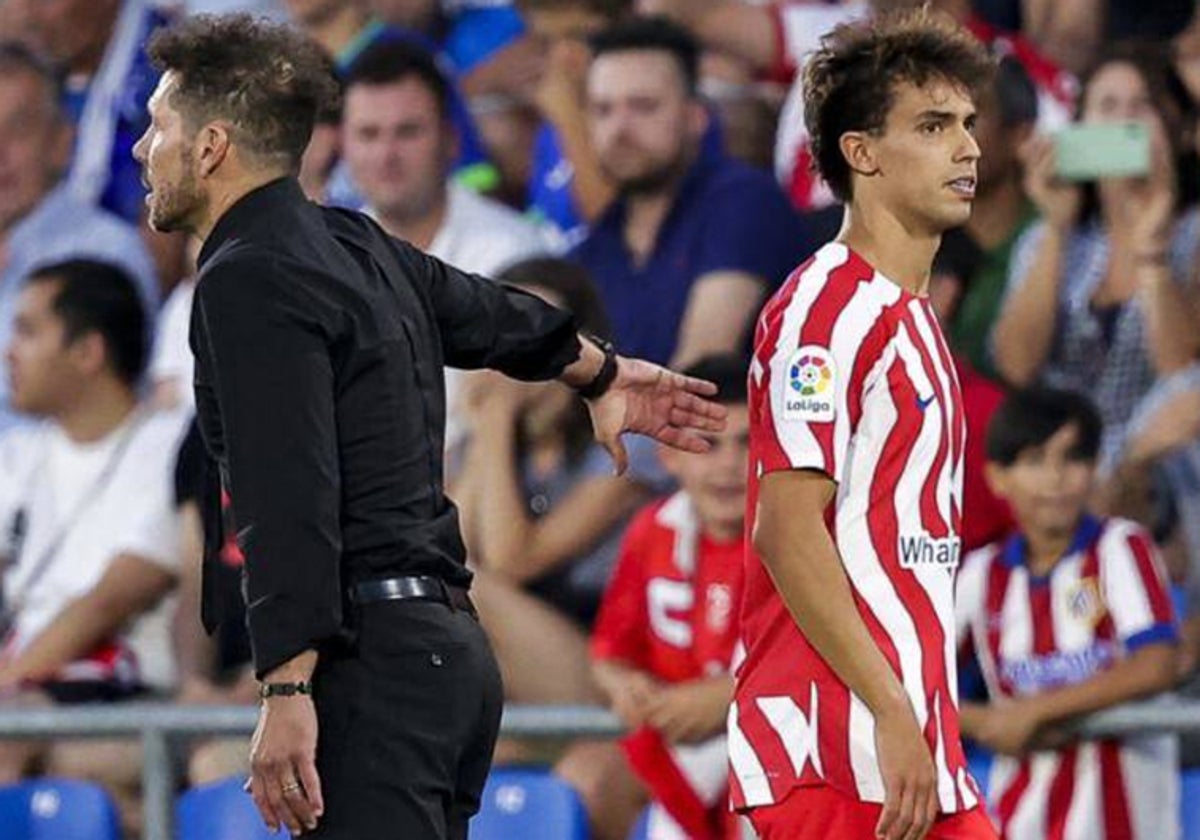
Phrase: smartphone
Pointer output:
(1089, 151)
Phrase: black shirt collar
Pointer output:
(258, 207)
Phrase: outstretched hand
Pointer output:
(656, 402)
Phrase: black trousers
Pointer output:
(408, 721)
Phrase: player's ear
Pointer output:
(858, 149)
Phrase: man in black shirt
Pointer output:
(319, 345)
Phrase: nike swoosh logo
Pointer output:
(924, 403)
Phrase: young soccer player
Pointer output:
(1070, 615)
(845, 720)
(668, 624)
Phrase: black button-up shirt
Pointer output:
(319, 344)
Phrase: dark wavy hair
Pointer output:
(850, 81)
(268, 81)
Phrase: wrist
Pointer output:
(268, 691)
(893, 705)
(297, 669)
(603, 376)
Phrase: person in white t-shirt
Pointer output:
(88, 532)
(400, 144)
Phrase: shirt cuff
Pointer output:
(1155, 633)
(280, 632)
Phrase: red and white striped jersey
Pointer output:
(1105, 598)
(851, 376)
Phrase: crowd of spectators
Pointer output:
(644, 164)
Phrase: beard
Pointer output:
(652, 178)
(173, 205)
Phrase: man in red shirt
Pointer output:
(667, 627)
(845, 719)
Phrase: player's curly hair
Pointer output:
(850, 81)
(268, 81)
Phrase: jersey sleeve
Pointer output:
(819, 366)
(1134, 587)
(620, 629)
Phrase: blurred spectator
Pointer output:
(399, 146)
(483, 36)
(217, 669)
(1068, 31)
(1069, 616)
(744, 107)
(1156, 480)
(40, 220)
(543, 515)
(664, 640)
(485, 43)
(274, 9)
(542, 510)
(171, 368)
(976, 257)
(1128, 19)
(345, 30)
(1099, 299)
(90, 535)
(418, 15)
(686, 254)
(98, 45)
(567, 186)
(776, 37)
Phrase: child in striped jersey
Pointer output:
(1067, 616)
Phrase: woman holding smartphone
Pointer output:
(1101, 297)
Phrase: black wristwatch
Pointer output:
(286, 689)
(607, 373)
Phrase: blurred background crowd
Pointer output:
(641, 162)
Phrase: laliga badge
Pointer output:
(811, 386)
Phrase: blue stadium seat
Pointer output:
(57, 809)
(531, 805)
(220, 811)
(1189, 800)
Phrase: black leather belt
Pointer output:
(418, 587)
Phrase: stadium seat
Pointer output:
(1189, 800)
(57, 809)
(531, 805)
(220, 811)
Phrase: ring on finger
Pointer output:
(291, 788)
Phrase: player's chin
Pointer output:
(956, 213)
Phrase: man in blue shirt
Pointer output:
(686, 254)
(41, 221)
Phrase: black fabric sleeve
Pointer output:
(485, 324)
(264, 349)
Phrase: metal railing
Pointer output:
(157, 724)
